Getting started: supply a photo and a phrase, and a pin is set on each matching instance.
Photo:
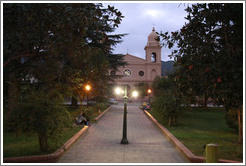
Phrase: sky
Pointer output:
(139, 20)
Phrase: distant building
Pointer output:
(141, 70)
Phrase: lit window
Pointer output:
(127, 73)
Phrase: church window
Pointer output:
(112, 73)
(153, 57)
(141, 73)
(127, 73)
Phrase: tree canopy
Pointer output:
(60, 45)
(209, 58)
(57, 47)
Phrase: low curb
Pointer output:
(193, 158)
(99, 116)
(47, 158)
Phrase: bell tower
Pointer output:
(153, 48)
(153, 56)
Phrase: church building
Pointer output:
(141, 70)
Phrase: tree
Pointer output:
(54, 43)
(142, 88)
(55, 47)
(209, 59)
(41, 113)
(166, 101)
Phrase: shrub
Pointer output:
(169, 106)
(232, 119)
(94, 110)
(101, 106)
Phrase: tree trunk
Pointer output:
(174, 121)
(205, 102)
(169, 122)
(240, 138)
(74, 102)
(242, 121)
(12, 95)
(43, 142)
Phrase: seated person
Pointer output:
(143, 106)
(81, 119)
(147, 107)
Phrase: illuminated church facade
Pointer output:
(138, 69)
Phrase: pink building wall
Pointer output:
(151, 67)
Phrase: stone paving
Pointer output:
(101, 144)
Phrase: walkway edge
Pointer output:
(99, 116)
(47, 158)
(193, 158)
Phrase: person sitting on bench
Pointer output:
(81, 119)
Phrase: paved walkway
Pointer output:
(101, 144)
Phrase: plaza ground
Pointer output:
(101, 144)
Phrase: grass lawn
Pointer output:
(92, 111)
(198, 127)
(28, 145)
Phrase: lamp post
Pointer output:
(124, 139)
(149, 92)
(87, 89)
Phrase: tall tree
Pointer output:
(58, 47)
(54, 43)
(209, 60)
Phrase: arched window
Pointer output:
(153, 57)
(153, 74)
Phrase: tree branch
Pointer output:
(16, 58)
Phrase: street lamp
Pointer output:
(134, 94)
(87, 89)
(149, 92)
(124, 139)
(118, 91)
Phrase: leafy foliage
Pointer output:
(55, 48)
(61, 45)
(231, 118)
(209, 59)
(166, 100)
(41, 113)
(142, 88)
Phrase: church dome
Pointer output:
(152, 36)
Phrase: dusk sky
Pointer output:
(139, 20)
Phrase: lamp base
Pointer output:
(124, 141)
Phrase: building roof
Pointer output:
(152, 36)
(132, 58)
